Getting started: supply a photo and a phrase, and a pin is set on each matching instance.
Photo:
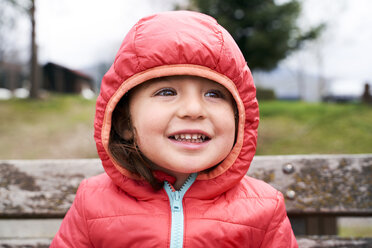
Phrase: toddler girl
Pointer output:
(176, 127)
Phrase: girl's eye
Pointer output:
(166, 92)
(214, 94)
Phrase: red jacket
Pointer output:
(221, 208)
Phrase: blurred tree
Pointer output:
(7, 22)
(265, 30)
(28, 7)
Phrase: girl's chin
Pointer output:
(181, 169)
(184, 164)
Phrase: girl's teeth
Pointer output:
(190, 137)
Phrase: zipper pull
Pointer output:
(177, 202)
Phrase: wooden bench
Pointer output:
(35, 195)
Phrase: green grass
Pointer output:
(356, 231)
(321, 128)
(355, 227)
(61, 126)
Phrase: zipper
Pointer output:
(175, 199)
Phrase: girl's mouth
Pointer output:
(192, 138)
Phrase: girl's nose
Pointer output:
(192, 107)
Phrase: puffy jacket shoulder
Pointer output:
(74, 230)
(257, 188)
(267, 208)
(100, 203)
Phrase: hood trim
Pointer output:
(173, 70)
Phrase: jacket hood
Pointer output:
(180, 43)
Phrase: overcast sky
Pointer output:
(78, 33)
(345, 49)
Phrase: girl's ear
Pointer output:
(128, 135)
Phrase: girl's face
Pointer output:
(183, 124)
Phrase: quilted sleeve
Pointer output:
(279, 232)
(73, 231)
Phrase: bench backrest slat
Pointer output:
(312, 184)
(42, 188)
(320, 184)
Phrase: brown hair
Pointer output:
(123, 146)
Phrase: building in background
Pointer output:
(290, 84)
(54, 78)
(344, 90)
(57, 78)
